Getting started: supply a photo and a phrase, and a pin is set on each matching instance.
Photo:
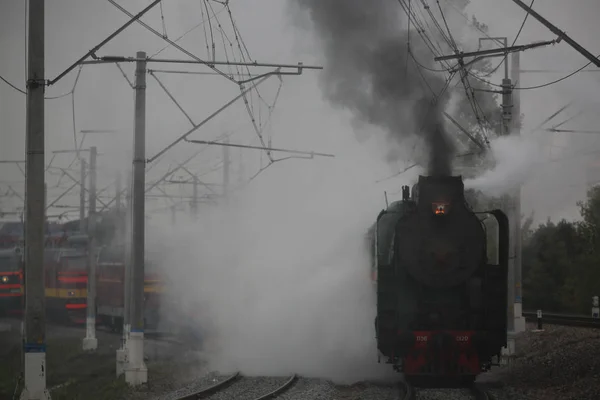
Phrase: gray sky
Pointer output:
(301, 119)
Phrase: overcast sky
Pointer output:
(301, 120)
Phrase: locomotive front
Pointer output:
(441, 306)
(442, 243)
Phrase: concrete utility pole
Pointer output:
(118, 209)
(45, 202)
(519, 321)
(90, 342)
(173, 215)
(118, 193)
(123, 352)
(226, 163)
(34, 341)
(513, 211)
(136, 372)
(82, 197)
(194, 205)
(509, 205)
(241, 169)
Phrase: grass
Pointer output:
(77, 375)
(73, 373)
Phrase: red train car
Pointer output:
(66, 271)
(11, 268)
(11, 281)
(110, 290)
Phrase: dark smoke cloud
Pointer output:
(368, 71)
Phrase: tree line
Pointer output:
(561, 261)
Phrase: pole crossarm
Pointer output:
(114, 59)
(196, 179)
(158, 181)
(212, 64)
(172, 43)
(99, 46)
(207, 119)
(561, 35)
(77, 181)
(310, 153)
(495, 52)
(69, 151)
(571, 130)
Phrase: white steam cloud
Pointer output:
(516, 158)
(278, 280)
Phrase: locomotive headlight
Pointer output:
(440, 208)
(4, 279)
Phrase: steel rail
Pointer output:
(211, 389)
(582, 321)
(408, 392)
(286, 386)
(220, 386)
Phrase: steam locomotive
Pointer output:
(441, 284)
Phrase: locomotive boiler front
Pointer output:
(443, 243)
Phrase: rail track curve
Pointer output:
(232, 380)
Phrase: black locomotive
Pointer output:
(441, 300)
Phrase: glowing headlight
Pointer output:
(4, 279)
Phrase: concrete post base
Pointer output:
(520, 325)
(123, 352)
(90, 344)
(121, 361)
(508, 352)
(35, 377)
(136, 372)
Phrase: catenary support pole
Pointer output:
(226, 163)
(123, 353)
(82, 196)
(90, 342)
(194, 205)
(510, 204)
(34, 329)
(118, 194)
(119, 209)
(136, 372)
(519, 321)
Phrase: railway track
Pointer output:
(408, 392)
(239, 387)
(582, 321)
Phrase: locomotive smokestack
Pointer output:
(439, 145)
(369, 72)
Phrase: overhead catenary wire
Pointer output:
(536, 86)
(513, 43)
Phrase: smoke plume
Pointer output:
(277, 282)
(369, 72)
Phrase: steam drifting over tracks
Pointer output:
(407, 392)
(243, 388)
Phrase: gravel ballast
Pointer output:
(559, 363)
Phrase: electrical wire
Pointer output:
(12, 86)
(423, 32)
(537, 86)
(513, 43)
